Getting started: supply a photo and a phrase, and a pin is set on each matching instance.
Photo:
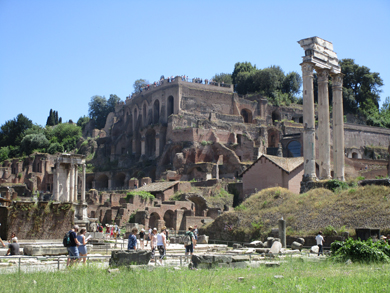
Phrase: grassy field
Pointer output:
(305, 214)
(292, 276)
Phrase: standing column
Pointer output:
(309, 123)
(157, 145)
(323, 124)
(71, 184)
(338, 127)
(142, 145)
(76, 175)
(83, 186)
(56, 183)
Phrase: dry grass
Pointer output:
(305, 213)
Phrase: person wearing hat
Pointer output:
(13, 248)
(73, 248)
(142, 238)
(189, 247)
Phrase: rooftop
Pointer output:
(157, 186)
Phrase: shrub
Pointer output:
(329, 231)
(360, 251)
(140, 193)
(335, 184)
(359, 178)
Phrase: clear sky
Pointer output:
(57, 54)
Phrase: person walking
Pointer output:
(132, 244)
(196, 232)
(73, 247)
(161, 244)
(153, 242)
(149, 235)
(142, 238)
(320, 241)
(82, 247)
(189, 242)
(13, 248)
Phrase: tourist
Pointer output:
(73, 249)
(196, 232)
(189, 242)
(161, 244)
(82, 247)
(132, 244)
(13, 248)
(149, 235)
(142, 238)
(111, 231)
(2, 243)
(107, 231)
(12, 236)
(153, 241)
(320, 242)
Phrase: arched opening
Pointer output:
(145, 117)
(135, 119)
(275, 116)
(169, 218)
(88, 182)
(153, 220)
(170, 106)
(156, 111)
(273, 138)
(355, 155)
(39, 182)
(150, 143)
(119, 180)
(294, 149)
(102, 182)
(247, 115)
(300, 119)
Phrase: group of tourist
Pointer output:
(112, 231)
(77, 247)
(159, 241)
(13, 245)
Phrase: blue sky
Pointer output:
(58, 54)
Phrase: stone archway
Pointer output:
(88, 181)
(150, 143)
(170, 106)
(153, 220)
(246, 115)
(102, 181)
(276, 117)
(169, 218)
(119, 180)
(156, 112)
(200, 203)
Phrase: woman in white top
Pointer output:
(161, 244)
(153, 241)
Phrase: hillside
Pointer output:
(305, 213)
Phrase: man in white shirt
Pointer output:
(320, 242)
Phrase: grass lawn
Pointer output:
(292, 276)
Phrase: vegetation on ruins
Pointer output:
(293, 275)
(305, 214)
(142, 194)
(100, 107)
(139, 84)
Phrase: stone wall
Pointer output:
(42, 221)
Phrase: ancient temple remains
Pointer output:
(319, 55)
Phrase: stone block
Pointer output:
(300, 240)
(210, 261)
(262, 250)
(239, 265)
(38, 250)
(296, 245)
(96, 235)
(238, 258)
(276, 247)
(203, 239)
(130, 257)
(272, 264)
(254, 244)
(314, 249)
(236, 245)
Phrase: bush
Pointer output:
(140, 193)
(360, 251)
(335, 184)
(55, 148)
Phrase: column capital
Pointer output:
(307, 68)
(323, 75)
(337, 80)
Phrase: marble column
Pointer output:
(76, 175)
(142, 145)
(56, 183)
(71, 185)
(323, 124)
(308, 123)
(83, 186)
(338, 127)
(157, 145)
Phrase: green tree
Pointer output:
(33, 142)
(138, 84)
(4, 152)
(241, 67)
(223, 77)
(12, 131)
(83, 121)
(99, 108)
(55, 148)
(51, 119)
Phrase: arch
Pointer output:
(294, 149)
(102, 181)
(153, 220)
(246, 115)
(275, 116)
(89, 181)
(273, 138)
(150, 143)
(135, 116)
(156, 111)
(145, 113)
(39, 183)
(119, 180)
(170, 106)
(355, 155)
(169, 218)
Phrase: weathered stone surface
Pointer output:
(269, 241)
(300, 240)
(203, 239)
(210, 261)
(272, 264)
(314, 249)
(236, 245)
(130, 257)
(296, 245)
(262, 250)
(37, 250)
(276, 247)
(238, 258)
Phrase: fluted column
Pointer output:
(83, 186)
(76, 175)
(71, 184)
(323, 124)
(338, 127)
(56, 183)
(308, 122)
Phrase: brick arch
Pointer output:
(156, 111)
(170, 219)
(170, 106)
(153, 219)
(247, 115)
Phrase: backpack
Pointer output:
(187, 239)
(66, 240)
